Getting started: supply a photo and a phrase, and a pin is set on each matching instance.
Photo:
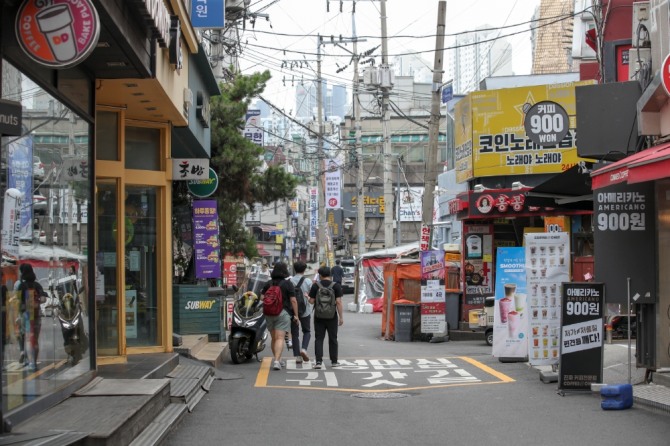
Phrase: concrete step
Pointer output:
(192, 344)
(189, 383)
(159, 428)
(661, 378)
(109, 411)
(213, 353)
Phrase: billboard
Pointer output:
(499, 143)
(463, 140)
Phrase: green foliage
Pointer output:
(238, 162)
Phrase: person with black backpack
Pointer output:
(326, 296)
(279, 307)
(302, 286)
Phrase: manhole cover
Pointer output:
(384, 395)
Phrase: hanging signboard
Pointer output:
(208, 14)
(333, 180)
(205, 187)
(190, 169)
(10, 118)
(57, 33)
(582, 321)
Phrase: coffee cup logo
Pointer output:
(55, 33)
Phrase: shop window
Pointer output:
(143, 148)
(107, 136)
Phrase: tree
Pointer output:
(238, 163)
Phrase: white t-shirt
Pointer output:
(305, 287)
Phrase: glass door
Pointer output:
(141, 266)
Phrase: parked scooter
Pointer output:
(70, 317)
(248, 333)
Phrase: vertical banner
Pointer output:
(433, 304)
(333, 185)
(478, 259)
(11, 223)
(253, 131)
(547, 267)
(410, 203)
(313, 214)
(20, 176)
(510, 314)
(425, 238)
(206, 240)
(230, 263)
(131, 314)
(581, 336)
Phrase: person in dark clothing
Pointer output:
(323, 326)
(337, 272)
(31, 294)
(279, 325)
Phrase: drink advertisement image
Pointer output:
(547, 266)
(510, 327)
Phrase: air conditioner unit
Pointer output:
(188, 98)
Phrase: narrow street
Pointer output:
(395, 393)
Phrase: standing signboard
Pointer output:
(478, 260)
(433, 304)
(510, 314)
(206, 240)
(547, 267)
(581, 336)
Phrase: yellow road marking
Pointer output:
(501, 376)
(264, 372)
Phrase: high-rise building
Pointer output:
(306, 100)
(338, 101)
(476, 56)
(552, 49)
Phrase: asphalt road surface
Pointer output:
(408, 393)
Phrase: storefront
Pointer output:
(87, 183)
(494, 218)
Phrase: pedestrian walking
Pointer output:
(302, 286)
(326, 296)
(280, 324)
(337, 272)
(31, 295)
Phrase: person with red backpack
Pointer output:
(279, 306)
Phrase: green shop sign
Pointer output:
(204, 188)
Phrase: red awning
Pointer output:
(647, 165)
(263, 252)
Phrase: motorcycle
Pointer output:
(70, 316)
(248, 333)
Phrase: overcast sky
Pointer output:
(411, 26)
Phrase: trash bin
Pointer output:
(404, 321)
(452, 306)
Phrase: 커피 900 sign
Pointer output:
(546, 123)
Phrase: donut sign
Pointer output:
(57, 33)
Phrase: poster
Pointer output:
(547, 267)
(333, 189)
(582, 322)
(510, 314)
(206, 240)
(410, 203)
(131, 314)
(433, 304)
(478, 260)
(253, 130)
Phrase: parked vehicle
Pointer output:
(482, 319)
(68, 311)
(348, 265)
(248, 333)
(38, 168)
(619, 325)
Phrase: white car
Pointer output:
(38, 168)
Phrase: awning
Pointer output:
(262, 252)
(647, 165)
(568, 190)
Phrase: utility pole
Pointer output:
(434, 124)
(360, 173)
(323, 223)
(385, 78)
